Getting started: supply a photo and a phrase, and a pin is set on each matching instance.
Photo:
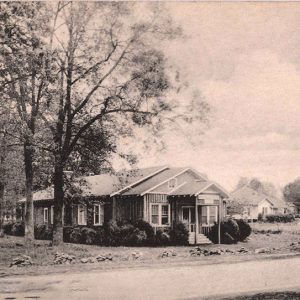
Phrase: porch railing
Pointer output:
(192, 227)
(205, 230)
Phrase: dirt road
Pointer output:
(176, 282)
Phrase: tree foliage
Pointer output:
(81, 76)
(265, 187)
(291, 191)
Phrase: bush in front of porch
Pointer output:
(232, 231)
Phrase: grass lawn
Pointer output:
(43, 253)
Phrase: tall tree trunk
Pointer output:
(58, 204)
(29, 216)
(2, 188)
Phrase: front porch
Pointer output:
(199, 213)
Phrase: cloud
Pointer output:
(244, 58)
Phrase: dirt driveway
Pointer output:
(176, 282)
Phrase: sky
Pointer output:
(244, 58)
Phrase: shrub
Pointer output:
(244, 229)
(260, 217)
(145, 226)
(66, 233)
(179, 235)
(7, 228)
(136, 238)
(232, 231)
(100, 235)
(162, 238)
(280, 218)
(42, 232)
(88, 235)
(118, 233)
(18, 229)
(76, 236)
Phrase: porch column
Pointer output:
(196, 220)
(114, 209)
(219, 220)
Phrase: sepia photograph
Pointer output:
(150, 150)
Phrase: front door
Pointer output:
(188, 217)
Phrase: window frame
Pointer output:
(79, 211)
(46, 215)
(101, 214)
(160, 214)
(208, 215)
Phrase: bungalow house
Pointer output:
(252, 203)
(158, 195)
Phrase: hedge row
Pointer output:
(137, 233)
(232, 231)
(280, 218)
(16, 229)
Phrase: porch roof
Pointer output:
(198, 187)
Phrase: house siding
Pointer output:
(182, 178)
(129, 208)
(153, 198)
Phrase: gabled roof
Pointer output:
(104, 184)
(138, 182)
(132, 178)
(96, 185)
(158, 179)
(248, 196)
(191, 188)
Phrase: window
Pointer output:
(172, 183)
(81, 214)
(204, 214)
(209, 215)
(46, 215)
(212, 214)
(265, 211)
(155, 214)
(98, 214)
(51, 214)
(165, 214)
(160, 214)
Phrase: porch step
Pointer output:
(201, 239)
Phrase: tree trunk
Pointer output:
(2, 187)
(58, 204)
(29, 221)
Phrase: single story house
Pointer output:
(159, 195)
(252, 203)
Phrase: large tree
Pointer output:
(24, 77)
(10, 162)
(91, 75)
(291, 191)
(264, 187)
(112, 77)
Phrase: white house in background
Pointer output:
(254, 203)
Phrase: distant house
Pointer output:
(161, 196)
(252, 203)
